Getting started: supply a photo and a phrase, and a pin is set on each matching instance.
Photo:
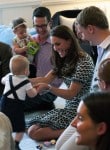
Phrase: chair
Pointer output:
(66, 14)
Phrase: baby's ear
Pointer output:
(102, 128)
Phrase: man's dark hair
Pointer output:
(42, 12)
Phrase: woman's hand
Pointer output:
(43, 88)
(35, 81)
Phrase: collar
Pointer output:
(43, 42)
(105, 43)
(20, 76)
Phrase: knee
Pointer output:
(34, 133)
(31, 132)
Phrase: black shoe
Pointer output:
(17, 146)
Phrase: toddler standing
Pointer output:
(17, 86)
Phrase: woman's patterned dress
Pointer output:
(61, 118)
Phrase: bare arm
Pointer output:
(17, 49)
(68, 93)
(48, 78)
(32, 92)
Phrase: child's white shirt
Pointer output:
(21, 92)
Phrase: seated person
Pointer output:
(75, 67)
(92, 122)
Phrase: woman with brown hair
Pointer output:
(75, 67)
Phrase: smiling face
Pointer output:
(87, 132)
(87, 34)
(21, 32)
(61, 46)
(83, 32)
(42, 26)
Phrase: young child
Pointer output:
(23, 42)
(17, 86)
(104, 75)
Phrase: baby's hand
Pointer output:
(37, 88)
(25, 48)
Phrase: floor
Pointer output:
(29, 144)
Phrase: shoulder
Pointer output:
(16, 39)
(5, 78)
(26, 80)
(5, 50)
(85, 58)
(4, 45)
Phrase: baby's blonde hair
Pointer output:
(6, 140)
(18, 64)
